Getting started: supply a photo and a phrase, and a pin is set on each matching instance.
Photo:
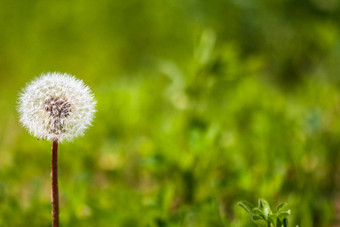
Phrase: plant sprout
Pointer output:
(262, 215)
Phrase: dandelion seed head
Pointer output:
(56, 106)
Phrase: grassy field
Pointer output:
(201, 104)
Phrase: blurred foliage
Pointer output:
(200, 104)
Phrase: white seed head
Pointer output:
(56, 106)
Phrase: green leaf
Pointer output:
(247, 206)
(284, 214)
(264, 205)
(257, 211)
(281, 207)
(256, 217)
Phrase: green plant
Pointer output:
(262, 215)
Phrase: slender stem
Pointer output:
(54, 176)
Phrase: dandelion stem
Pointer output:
(54, 176)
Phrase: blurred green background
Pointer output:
(201, 104)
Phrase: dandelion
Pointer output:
(57, 107)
